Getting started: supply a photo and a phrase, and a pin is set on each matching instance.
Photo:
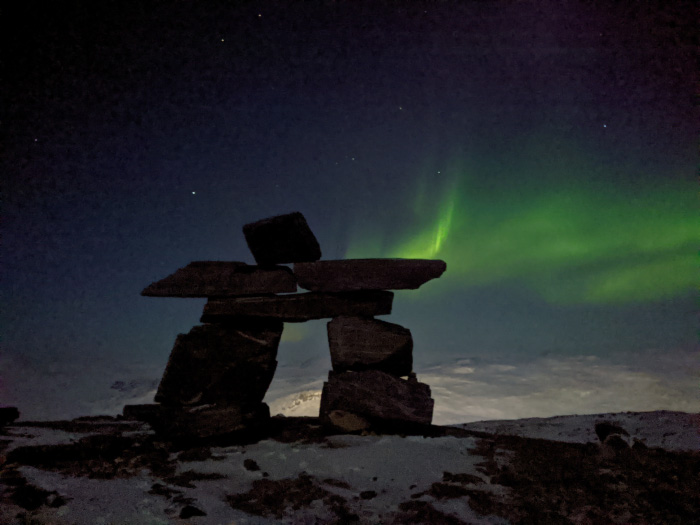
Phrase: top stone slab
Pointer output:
(282, 239)
(367, 274)
(223, 279)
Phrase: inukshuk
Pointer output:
(218, 373)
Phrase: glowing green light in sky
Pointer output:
(443, 226)
(571, 243)
(429, 242)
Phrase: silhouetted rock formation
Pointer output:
(616, 443)
(367, 274)
(300, 307)
(223, 279)
(282, 239)
(358, 343)
(218, 373)
(604, 428)
(8, 415)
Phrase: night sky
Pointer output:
(547, 151)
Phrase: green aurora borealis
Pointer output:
(575, 240)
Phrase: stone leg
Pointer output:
(222, 364)
(361, 343)
(377, 397)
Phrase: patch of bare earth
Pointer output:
(98, 456)
(552, 482)
(277, 498)
(424, 512)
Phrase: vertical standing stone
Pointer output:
(221, 364)
(359, 343)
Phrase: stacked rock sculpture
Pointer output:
(218, 373)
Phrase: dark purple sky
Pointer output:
(545, 150)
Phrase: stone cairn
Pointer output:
(218, 373)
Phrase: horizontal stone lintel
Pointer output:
(367, 274)
(300, 307)
(223, 279)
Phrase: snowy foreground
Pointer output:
(110, 471)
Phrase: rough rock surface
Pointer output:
(377, 396)
(347, 421)
(200, 421)
(230, 364)
(282, 239)
(223, 279)
(300, 307)
(367, 274)
(358, 343)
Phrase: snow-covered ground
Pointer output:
(663, 429)
(336, 479)
(346, 466)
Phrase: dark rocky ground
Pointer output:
(521, 480)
